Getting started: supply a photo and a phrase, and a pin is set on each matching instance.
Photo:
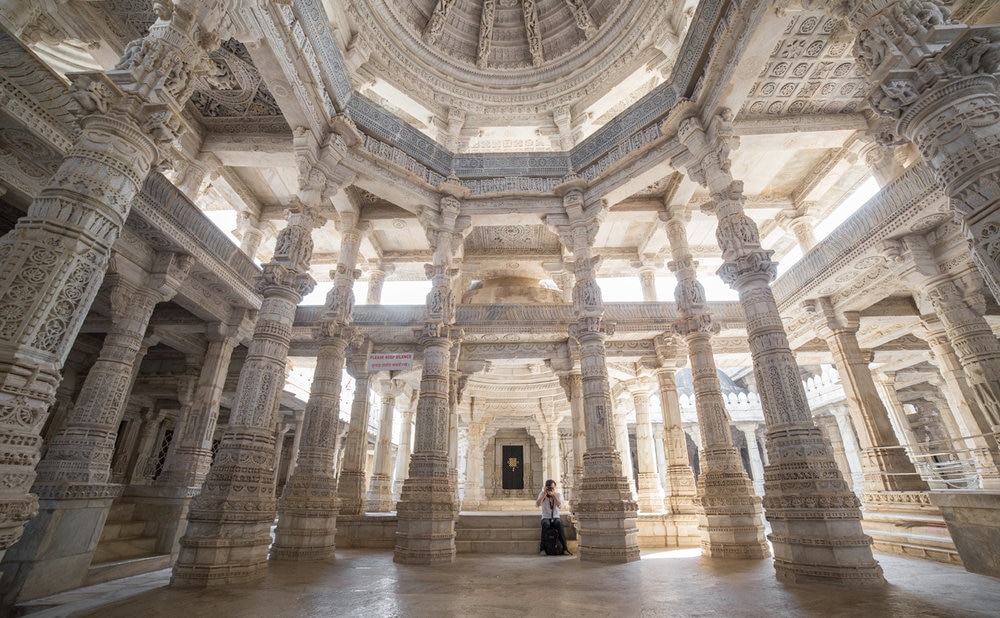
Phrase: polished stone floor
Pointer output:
(663, 583)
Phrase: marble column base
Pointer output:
(471, 504)
(650, 494)
(164, 508)
(683, 516)
(890, 469)
(307, 519)
(379, 498)
(58, 544)
(370, 531)
(227, 537)
(731, 520)
(215, 553)
(668, 530)
(426, 513)
(605, 512)
(815, 519)
(351, 489)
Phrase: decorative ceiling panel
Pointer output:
(520, 239)
(235, 96)
(129, 19)
(811, 71)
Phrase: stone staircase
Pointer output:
(126, 548)
(503, 533)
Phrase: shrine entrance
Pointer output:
(512, 466)
(512, 476)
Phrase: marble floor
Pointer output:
(662, 583)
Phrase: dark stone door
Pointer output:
(513, 467)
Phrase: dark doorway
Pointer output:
(513, 467)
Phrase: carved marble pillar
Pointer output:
(935, 81)
(974, 342)
(883, 161)
(426, 529)
(427, 506)
(229, 523)
(565, 280)
(681, 492)
(606, 512)
(885, 386)
(248, 229)
(647, 277)
(308, 508)
(956, 300)
(753, 450)
(376, 280)
(661, 455)
(123, 467)
(195, 175)
(73, 483)
(141, 472)
(338, 446)
(281, 429)
(475, 493)
(52, 263)
(815, 519)
(293, 457)
(730, 519)
(353, 477)
(801, 225)
(380, 488)
(572, 383)
(886, 465)
(405, 448)
(456, 382)
(125, 443)
(550, 429)
(623, 443)
(190, 455)
(648, 486)
(973, 424)
(852, 450)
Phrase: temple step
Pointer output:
(123, 538)
(501, 533)
(100, 573)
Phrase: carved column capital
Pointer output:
(829, 320)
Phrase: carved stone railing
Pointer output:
(824, 389)
(741, 407)
(162, 214)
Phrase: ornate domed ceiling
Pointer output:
(509, 34)
(509, 75)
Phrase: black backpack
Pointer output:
(553, 546)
